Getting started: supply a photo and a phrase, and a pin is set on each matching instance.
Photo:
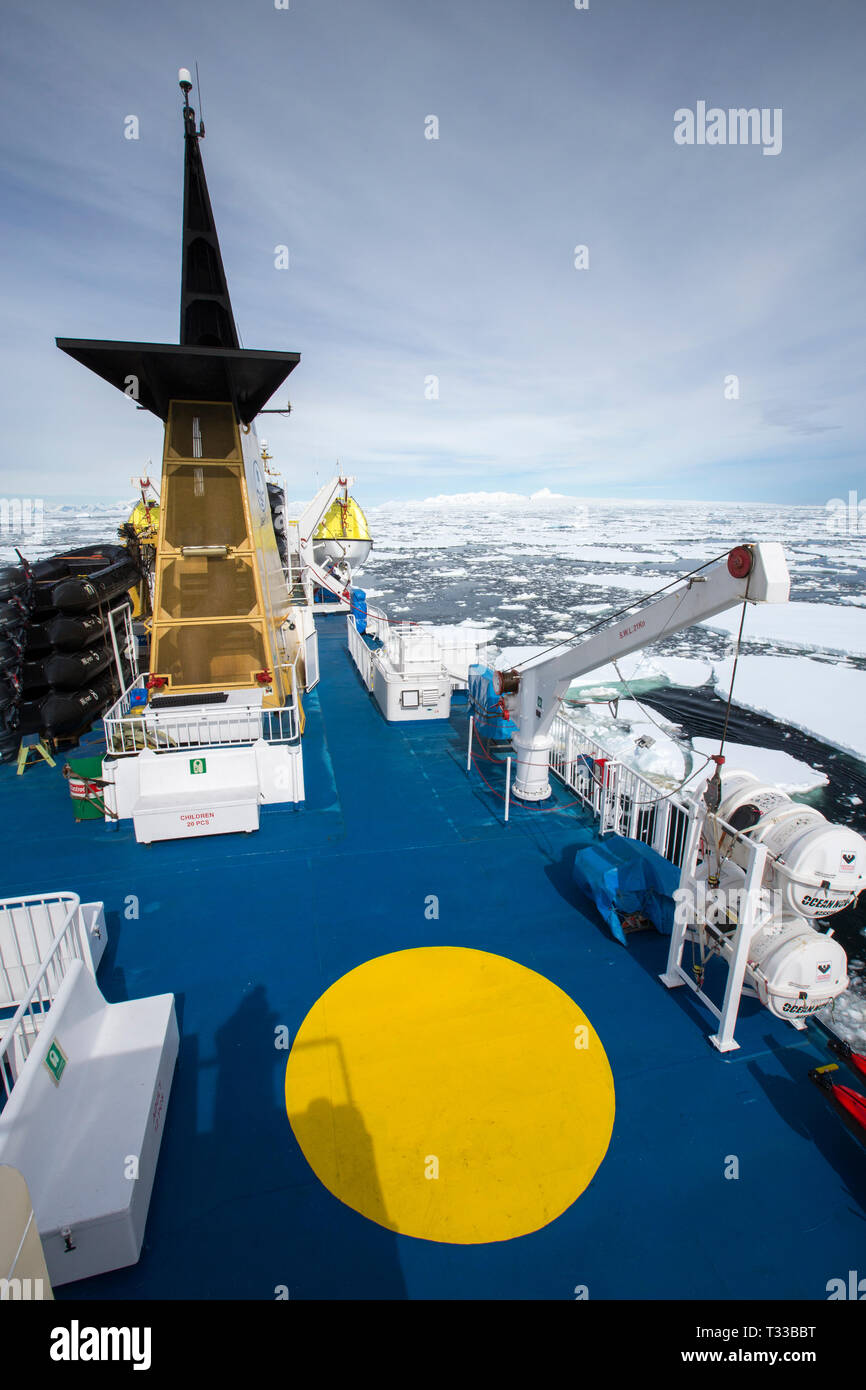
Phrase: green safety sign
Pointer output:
(55, 1061)
(198, 765)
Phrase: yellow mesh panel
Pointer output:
(209, 653)
(211, 628)
(216, 430)
(204, 506)
(200, 587)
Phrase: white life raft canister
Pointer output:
(817, 867)
(795, 969)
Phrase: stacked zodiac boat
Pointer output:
(58, 626)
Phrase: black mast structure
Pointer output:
(206, 318)
(208, 364)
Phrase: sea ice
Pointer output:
(666, 760)
(771, 765)
(823, 627)
(822, 698)
(847, 1014)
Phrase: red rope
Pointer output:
(564, 807)
(485, 781)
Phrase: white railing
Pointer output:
(391, 635)
(130, 729)
(279, 727)
(126, 649)
(53, 961)
(378, 623)
(28, 927)
(623, 801)
(360, 652)
(415, 648)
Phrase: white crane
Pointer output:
(301, 545)
(533, 690)
(313, 514)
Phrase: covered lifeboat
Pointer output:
(342, 534)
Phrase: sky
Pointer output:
(709, 345)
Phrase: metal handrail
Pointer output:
(43, 987)
(13, 949)
(623, 801)
(359, 651)
(127, 733)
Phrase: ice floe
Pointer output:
(824, 627)
(847, 1014)
(771, 765)
(822, 698)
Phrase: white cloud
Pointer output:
(454, 258)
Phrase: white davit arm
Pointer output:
(754, 573)
(315, 510)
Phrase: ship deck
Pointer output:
(249, 931)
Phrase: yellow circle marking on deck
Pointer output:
(439, 1092)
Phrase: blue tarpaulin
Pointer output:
(359, 608)
(489, 719)
(624, 876)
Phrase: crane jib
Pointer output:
(755, 573)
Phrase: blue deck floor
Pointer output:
(248, 931)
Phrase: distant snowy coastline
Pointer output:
(487, 499)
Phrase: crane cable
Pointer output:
(734, 668)
(607, 617)
(728, 705)
(718, 835)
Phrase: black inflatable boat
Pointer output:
(57, 669)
